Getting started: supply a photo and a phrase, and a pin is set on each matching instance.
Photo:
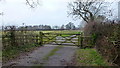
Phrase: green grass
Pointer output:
(89, 57)
(12, 52)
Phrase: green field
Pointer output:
(59, 31)
(63, 31)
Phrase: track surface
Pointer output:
(62, 57)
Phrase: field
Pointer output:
(63, 31)
(59, 31)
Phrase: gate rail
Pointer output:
(74, 39)
(43, 38)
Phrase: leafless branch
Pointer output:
(32, 3)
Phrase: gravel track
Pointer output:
(62, 57)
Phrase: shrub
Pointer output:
(103, 34)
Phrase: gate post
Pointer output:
(37, 39)
(78, 40)
(81, 40)
(41, 38)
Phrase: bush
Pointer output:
(103, 34)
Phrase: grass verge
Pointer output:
(89, 57)
(13, 52)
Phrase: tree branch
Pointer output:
(27, 2)
(98, 8)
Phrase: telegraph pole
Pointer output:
(2, 20)
(119, 11)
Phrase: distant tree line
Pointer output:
(35, 27)
(69, 26)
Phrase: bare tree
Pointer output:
(87, 10)
(62, 27)
(70, 25)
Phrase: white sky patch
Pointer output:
(54, 4)
(14, 1)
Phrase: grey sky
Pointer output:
(50, 12)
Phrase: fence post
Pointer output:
(12, 35)
(36, 38)
(81, 40)
(41, 38)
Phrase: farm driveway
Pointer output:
(62, 57)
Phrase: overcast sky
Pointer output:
(50, 12)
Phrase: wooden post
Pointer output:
(41, 38)
(81, 40)
(23, 38)
(33, 39)
(36, 38)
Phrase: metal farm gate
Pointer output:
(62, 38)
